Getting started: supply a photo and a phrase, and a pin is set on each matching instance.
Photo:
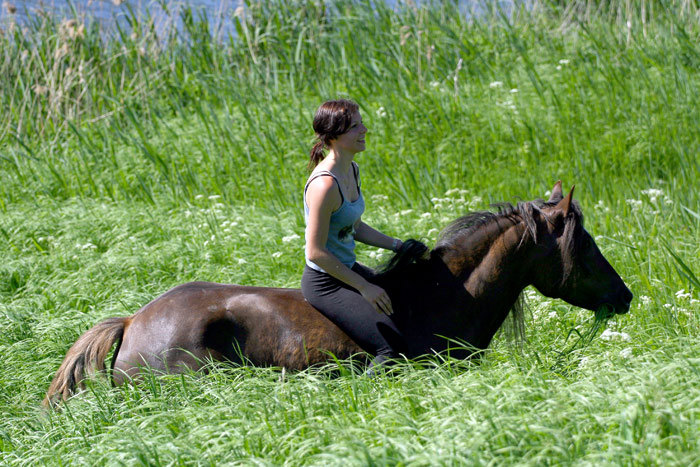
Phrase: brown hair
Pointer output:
(332, 119)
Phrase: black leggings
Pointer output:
(374, 332)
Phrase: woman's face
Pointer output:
(353, 140)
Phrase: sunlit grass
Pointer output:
(129, 165)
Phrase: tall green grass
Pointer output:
(130, 163)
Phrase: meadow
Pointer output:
(137, 159)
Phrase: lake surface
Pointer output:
(219, 12)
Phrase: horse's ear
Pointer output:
(565, 203)
(557, 195)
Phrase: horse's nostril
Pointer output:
(627, 295)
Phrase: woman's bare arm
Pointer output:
(371, 236)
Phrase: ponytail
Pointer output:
(316, 154)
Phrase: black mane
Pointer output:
(410, 252)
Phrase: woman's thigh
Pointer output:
(347, 309)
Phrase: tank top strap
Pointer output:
(326, 173)
(356, 172)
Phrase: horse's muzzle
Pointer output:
(625, 299)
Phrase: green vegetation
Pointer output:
(130, 164)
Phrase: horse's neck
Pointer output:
(492, 264)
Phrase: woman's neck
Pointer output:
(341, 160)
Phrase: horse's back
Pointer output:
(199, 320)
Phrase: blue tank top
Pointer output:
(341, 231)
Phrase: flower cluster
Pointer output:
(609, 335)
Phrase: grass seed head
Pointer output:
(10, 8)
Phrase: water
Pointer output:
(219, 12)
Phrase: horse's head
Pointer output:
(571, 266)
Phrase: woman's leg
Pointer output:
(374, 332)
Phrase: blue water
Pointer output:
(106, 12)
(219, 12)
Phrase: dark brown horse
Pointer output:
(464, 291)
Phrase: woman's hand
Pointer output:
(378, 298)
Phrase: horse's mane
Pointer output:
(471, 222)
(412, 250)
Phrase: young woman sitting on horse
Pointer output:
(333, 282)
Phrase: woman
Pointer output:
(333, 282)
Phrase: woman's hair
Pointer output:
(332, 119)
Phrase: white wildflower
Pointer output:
(668, 305)
(514, 91)
(584, 362)
(213, 197)
(452, 191)
(380, 198)
(609, 335)
(435, 84)
(552, 314)
(406, 212)
(276, 254)
(564, 61)
(600, 206)
(381, 112)
(558, 67)
(626, 353)
(242, 261)
(199, 197)
(290, 238)
(426, 215)
(653, 193)
(495, 84)
(681, 294)
(694, 301)
(645, 299)
(635, 204)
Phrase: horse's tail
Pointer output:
(87, 354)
